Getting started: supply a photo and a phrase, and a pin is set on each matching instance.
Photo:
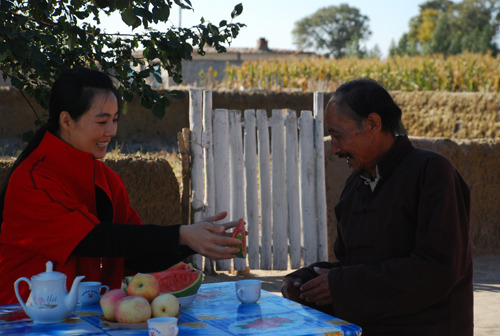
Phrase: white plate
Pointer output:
(186, 300)
(118, 325)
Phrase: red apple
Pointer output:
(132, 309)
(145, 285)
(108, 301)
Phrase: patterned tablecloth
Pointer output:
(216, 311)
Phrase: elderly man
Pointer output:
(404, 258)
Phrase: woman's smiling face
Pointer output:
(92, 132)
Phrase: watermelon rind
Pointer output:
(240, 246)
(191, 289)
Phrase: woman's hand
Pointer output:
(209, 239)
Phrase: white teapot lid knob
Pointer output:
(49, 274)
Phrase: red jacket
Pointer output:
(49, 208)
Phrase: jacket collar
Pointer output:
(73, 167)
(401, 147)
(67, 158)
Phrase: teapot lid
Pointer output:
(49, 274)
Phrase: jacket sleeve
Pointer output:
(439, 260)
(148, 248)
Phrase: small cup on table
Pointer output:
(90, 292)
(163, 326)
(248, 291)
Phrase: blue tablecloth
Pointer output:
(216, 311)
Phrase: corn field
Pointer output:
(461, 73)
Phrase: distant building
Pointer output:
(217, 62)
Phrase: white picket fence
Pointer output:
(278, 189)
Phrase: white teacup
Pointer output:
(163, 326)
(248, 291)
(90, 292)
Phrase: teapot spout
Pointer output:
(72, 298)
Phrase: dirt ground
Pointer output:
(486, 290)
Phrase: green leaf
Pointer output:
(127, 96)
(150, 53)
(125, 108)
(157, 76)
(143, 74)
(3, 56)
(48, 39)
(18, 49)
(82, 15)
(237, 10)
(16, 83)
(159, 110)
(146, 102)
(143, 12)
(162, 13)
(130, 18)
(223, 23)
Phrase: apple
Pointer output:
(132, 309)
(165, 305)
(108, 301)
(145, 285)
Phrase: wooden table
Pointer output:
(216, 311)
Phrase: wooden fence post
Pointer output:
(307, 186)
(209, 166)
(280, 209)
(293, 189)
(265, 190)
(195, 120)
(236, 176)
(319, 132)
(221, 174)
(251, 190)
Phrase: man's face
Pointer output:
(351, 141)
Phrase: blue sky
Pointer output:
(274, 19)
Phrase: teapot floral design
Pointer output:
(49, 301)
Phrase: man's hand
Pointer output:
(317, 290)
(290, 288)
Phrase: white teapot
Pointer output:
(49, 301)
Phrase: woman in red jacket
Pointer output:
(61, 203)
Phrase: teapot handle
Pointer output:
(16, 289)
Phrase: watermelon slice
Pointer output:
(179, 280)
(239, 232)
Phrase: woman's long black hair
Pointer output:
(72, 92)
